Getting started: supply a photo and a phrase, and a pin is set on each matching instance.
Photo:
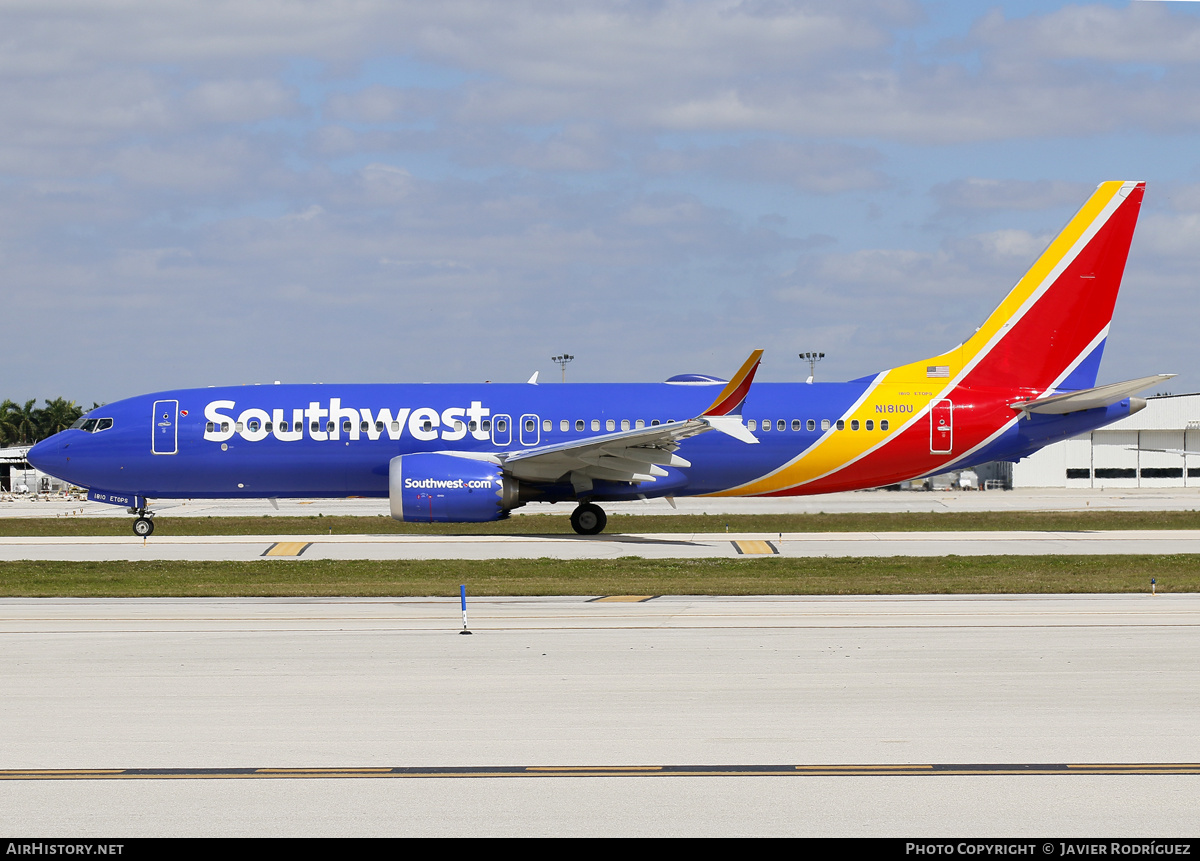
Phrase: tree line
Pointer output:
(25, 425)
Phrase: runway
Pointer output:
(932, 716)
(606, 546)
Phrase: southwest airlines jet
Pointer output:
(462, 453)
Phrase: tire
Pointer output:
(589, 519)
(143, 527)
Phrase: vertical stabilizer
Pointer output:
(1049, 332)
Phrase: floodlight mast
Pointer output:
(812, 359)
(563, 360)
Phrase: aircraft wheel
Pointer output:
(589, 519)
(143, 527)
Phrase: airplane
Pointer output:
(475, 452)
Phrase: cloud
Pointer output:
(820, 168)
(1138, 33)
(391, 190)
(976, 195)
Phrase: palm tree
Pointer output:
(24, 425)
(58, 414)
(18, 425)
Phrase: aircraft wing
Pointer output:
(1089, 399)
(639, 454)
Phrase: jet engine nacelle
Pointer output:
(445, 488)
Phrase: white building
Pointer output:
(1120, 455)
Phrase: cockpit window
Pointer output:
(88, 425)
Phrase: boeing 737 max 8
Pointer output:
(459, 453)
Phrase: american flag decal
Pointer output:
(937, 371)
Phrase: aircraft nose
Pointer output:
(46, 455)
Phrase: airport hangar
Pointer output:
(1144, 450)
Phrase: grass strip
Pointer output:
(952, 575)
(548, 524)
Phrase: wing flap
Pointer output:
(638, 455)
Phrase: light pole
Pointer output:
(812, 359)
(562, 363)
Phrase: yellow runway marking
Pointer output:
(287, 548)
(755, 548)
(595, 771)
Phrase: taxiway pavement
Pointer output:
(606, 546)
(859, 502)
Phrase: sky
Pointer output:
(209, 193)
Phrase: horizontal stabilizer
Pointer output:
(1182, 452)
(1089, 399)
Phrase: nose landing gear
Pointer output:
(589, 519)
(143, 527)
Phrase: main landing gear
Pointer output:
(143, 527)
(589, 519)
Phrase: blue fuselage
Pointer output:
(338, 440)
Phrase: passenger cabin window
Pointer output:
(870, 424)
(487, 425)
(578, 424)
(752, 424)
(564, 425)
(824, 424)
(595, 424)
(640, 423)
(547, 425)
(427, 425)
(853, 424)
(624, 424)
(841, 425)
(796, 424)
(346, 426)
(781, 425)
(609, 424)
(766, 425)
(883, 424)
(530, 424)
(811, 424)
(501, 426)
